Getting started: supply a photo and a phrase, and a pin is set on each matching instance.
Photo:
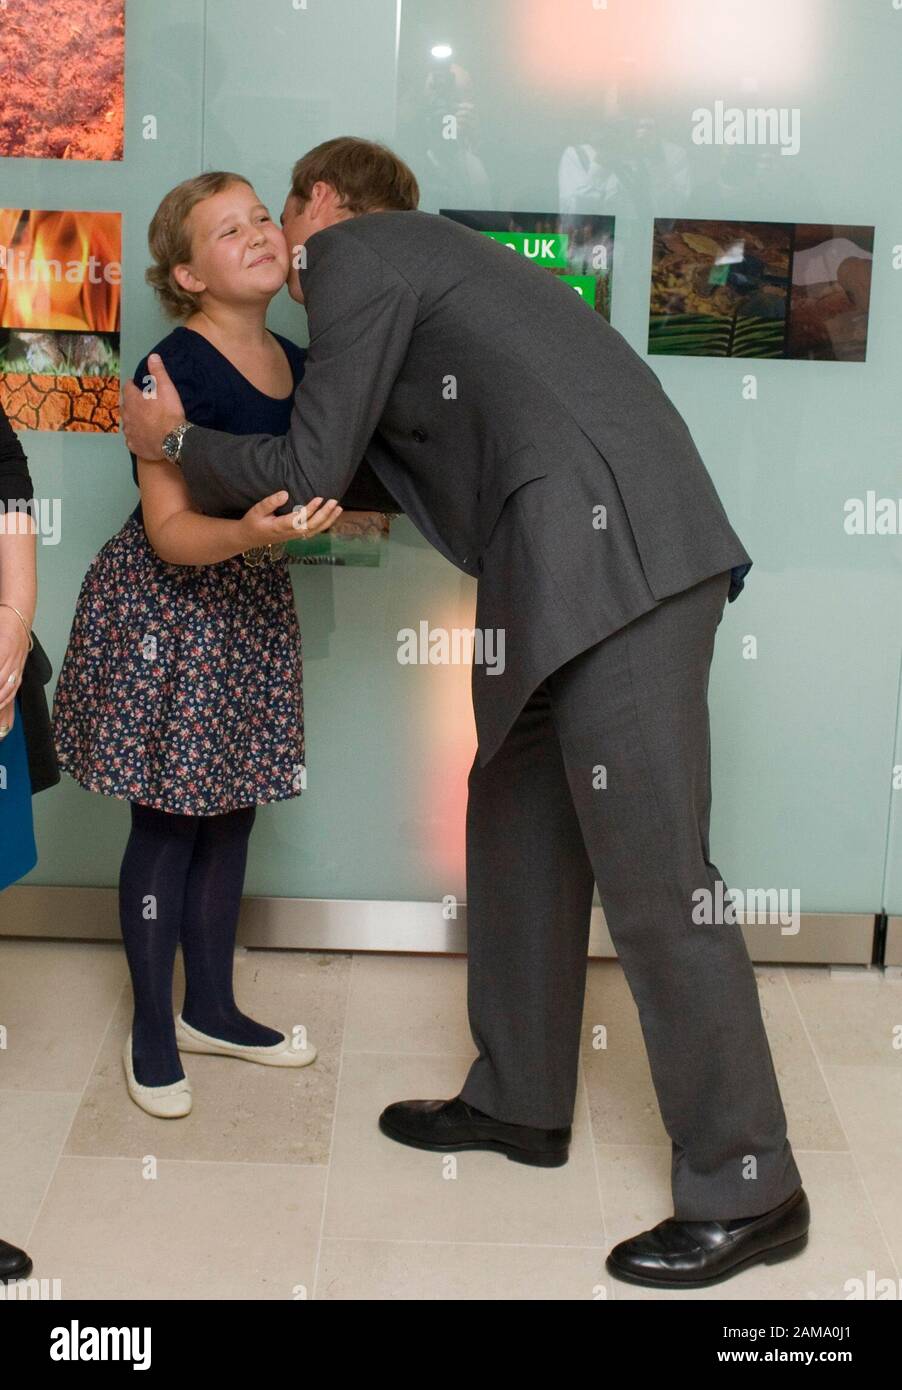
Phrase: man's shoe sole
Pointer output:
(768, 1257)
(554, 1158)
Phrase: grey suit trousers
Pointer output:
(606, 777)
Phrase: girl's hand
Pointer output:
(13, 651)
(262, 527)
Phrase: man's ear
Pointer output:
(322, 195)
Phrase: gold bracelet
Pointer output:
(22, 621)
(264, 554)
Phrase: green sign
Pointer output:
(542, 248)
(584, 285)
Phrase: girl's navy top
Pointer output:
(215, 394)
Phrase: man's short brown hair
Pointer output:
(365, 175)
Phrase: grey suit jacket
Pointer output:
(518, 430)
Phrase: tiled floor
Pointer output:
(279, 1184)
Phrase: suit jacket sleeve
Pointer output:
(361, 315)
(367, 493)
(185, 366)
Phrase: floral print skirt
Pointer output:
(181, 687)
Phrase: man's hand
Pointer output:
(146, 420)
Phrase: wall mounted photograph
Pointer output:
(831, 292)
(579, 249)
(760, 289)
(60, 289)
(63, 67)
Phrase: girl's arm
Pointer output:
(178, 532)
(181, 535)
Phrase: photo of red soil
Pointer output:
(62, 78)
(34, 401)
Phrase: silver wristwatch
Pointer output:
(172, 444)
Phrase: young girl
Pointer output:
(181, 687)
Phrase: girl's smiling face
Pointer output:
(237, 252)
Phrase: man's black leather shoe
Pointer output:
(14, 1263)
(692, 1254)
(449, 1125)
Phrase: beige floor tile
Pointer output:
(849, 1023)
(845, 1239)
(408, 1004)
(195, 1231)
(868, 1100)
(812, 1121)
(56, 1000)
(243, 1112)
(33, 1129)
(634, 1181)
(880, 1166)
(384, 1190)
(239, 1216)
(378, 1270)
(622, 1100)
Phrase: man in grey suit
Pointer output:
(537, 451)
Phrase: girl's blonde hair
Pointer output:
(169, 238)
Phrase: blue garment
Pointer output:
(737, 580)
(18, 852)
(215, 394)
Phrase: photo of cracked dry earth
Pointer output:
(62, 78)
(35, 401)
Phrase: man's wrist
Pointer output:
(172, 442)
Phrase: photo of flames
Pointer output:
(60, 294)
(63, 66)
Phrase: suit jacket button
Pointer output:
(479, 494)
(420, 436)
(479, 564)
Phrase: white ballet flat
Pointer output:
(281, 1054)
(165, 1102)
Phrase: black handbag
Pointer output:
(43, 768)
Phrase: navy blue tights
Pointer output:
(181, 880)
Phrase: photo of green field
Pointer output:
(720, 289)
